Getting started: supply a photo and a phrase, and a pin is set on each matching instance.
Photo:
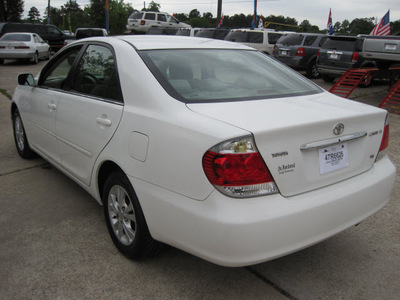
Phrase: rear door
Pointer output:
(89, 114)
(337, 52)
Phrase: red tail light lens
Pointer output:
(354, 57)
(142, 22)
(385, 138)
(300, 51)
(319, 53)
(237, 169)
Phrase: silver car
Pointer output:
(23, 45)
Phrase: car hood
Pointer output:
(292, 134)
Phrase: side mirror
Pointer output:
(26, 79)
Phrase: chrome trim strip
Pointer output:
(330, 142)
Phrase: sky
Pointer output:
(315, 11)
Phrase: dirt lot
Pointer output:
(54, 243)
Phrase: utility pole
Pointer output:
(48, 12)
(219, 11)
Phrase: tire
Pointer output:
(327, 78)
(21, 141)
(35, 59)
(312, 71)
(125, 220)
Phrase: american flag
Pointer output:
(383, 27)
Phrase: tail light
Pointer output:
(300, 51)
(142, 22)
(354, 57)
(236, 169)
(274, 51)
(21, 47)
(385, 136)
(319, 53)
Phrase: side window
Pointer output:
(53, 30)
(321, 42)
(162, 18)
(310, 40)
(56, 74)
(150, 16)
(36, 38)
(97, 75)
(256, 37)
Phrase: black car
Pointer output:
(51, 34)
(340, 53)
(299, 51)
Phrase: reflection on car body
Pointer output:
(215, 148)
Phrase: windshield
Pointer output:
(211, 75)
(16, 37)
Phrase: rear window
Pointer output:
(136, 15)
(150, 16)
(245, 37)
(340, 44)
(215, 75)
(291, 39)
(16, 37)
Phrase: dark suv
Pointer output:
(213, 33)
(51, 34)
(299, 51)
(340, 53)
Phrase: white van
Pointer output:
(261, 39)
(142, 21)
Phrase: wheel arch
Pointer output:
(106, 168)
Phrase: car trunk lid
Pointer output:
(301, 139)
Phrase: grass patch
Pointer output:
(5, 93)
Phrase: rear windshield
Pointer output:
(214, 75)
(291, 39)
(136, 15)
(16, 37)
(342, 44)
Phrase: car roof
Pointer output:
(152, 42)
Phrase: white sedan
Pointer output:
(205, 145)
(23, 45)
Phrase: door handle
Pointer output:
(52, 106)
(103, 121)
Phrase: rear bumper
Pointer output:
(17, 55)
(332, 72)
(295, 62)
(239, 232)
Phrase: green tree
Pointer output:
(182, 17)
(97, 13)
(56, 17)
(119, 13)
(361, 26)
(395, 27)
(194, 13)
(74, 16)
(11, 10)
(34, 15)
(152, 7)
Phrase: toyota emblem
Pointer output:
(338, 129)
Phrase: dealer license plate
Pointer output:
(390, 47)
(333, 158)
(284, 52)
(334, 56)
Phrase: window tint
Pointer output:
(309, 40)
(256, 37)
(172, 19)
(237, 36)
(97, 75)
(150, 16)
(16, 37)
(210, 75)
(55, 75)
(183, 31)
(343, 44)
(291, 39)
(273, 37)
(136, 15)
(321, 42)
(161, 17)
(53, 30)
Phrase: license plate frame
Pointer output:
(333, 158)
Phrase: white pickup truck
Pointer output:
(384, 49)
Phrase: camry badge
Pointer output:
(338, 129)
